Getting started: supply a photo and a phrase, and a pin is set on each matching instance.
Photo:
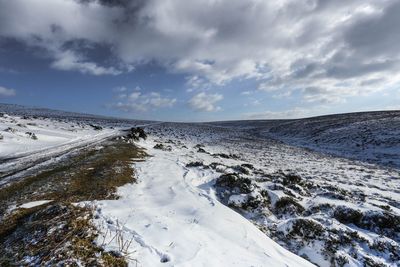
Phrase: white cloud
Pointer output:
(338, 45)
(120, 89)
(246, 93)
(205, 102)
(7, 92)
(68, 60)
(136, 101)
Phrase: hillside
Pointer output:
(366, 136)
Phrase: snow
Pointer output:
(34, 204)
(172, 216)
(237, 200)
(30, 142)
(51, 134)
(336, 181)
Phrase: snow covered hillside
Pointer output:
(329, 210)
(30, 136)
(366, 136)
(26, 135)
(207, 194)
(25, 141)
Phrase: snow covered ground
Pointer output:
(25, 140)
(229, 194)
(174, 219)
(329, 210)
(23, 136)
(367, 136)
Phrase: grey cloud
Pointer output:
(337, 45)
(6, 92)
(376, 34)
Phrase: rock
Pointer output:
(162, 147)
(201, 150)
(10, 130)
(136, 133)
(31, 135)
(96, 127)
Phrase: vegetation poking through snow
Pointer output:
(53, 235)
(329, 210)
(59, 232)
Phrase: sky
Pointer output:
(201, 60)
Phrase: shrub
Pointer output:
(241, 169)
(195, 164)
(291, 179)
(234, 181)
(347, 215)
(287, 205)
(306, 229)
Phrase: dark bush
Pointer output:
(291, 179)
(248, 166)
(306, 229)
(347, 215)
(234, 181)
(195, 164)
(241, 169)
(287, 205)
(136, 133)
(256, 202)
(381, 222)
(201, 150)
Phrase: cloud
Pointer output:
(246, 93)
(286, 46)
(136, 101)
(7, 92)
(205, 102)
(68, 60)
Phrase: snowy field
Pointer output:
(25, 135)
(368, 136)
(329, 210)
(174, 219)
(237, 193)
(31, 137)
(28, 141)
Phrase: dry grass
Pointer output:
(91, 174)
(59, 232)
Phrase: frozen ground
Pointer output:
(329, 210)
(26, 141)
(174, 219)
(244, 193)
(23, 136)
(367, 136)
(31, 137)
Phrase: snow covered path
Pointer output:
(175, 220)
(26, 142)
